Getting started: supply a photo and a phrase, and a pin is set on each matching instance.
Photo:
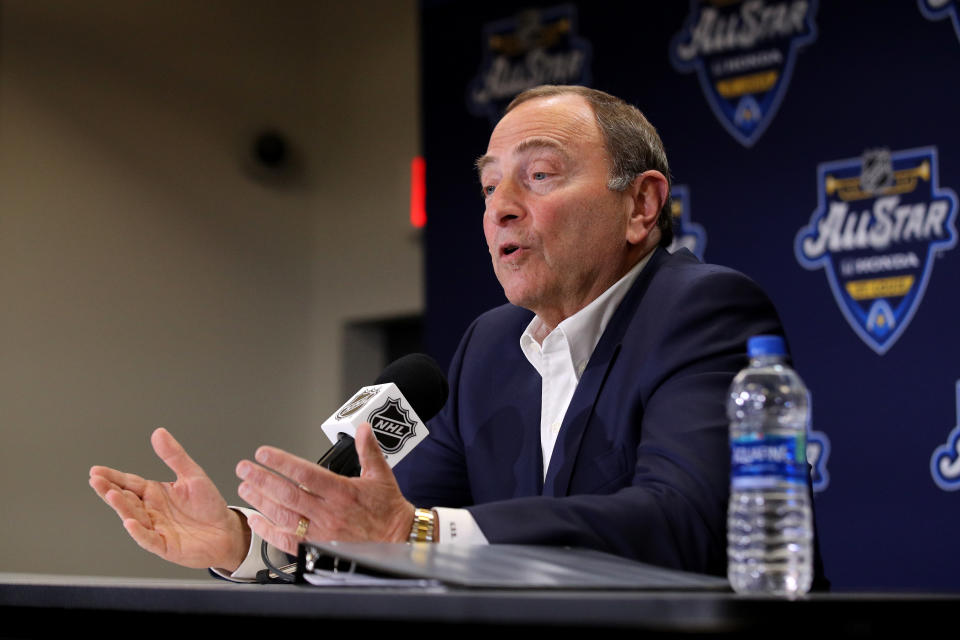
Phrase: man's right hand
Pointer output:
(186, 521)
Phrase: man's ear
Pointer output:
(648, 192)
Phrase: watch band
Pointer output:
(424, 526)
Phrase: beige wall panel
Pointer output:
(151, 276)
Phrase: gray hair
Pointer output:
(631, 141)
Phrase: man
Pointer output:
(588, 412)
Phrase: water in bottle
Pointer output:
(769, 522)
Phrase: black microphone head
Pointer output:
(420, 380)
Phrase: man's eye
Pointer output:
(539, 175)
(488, 190)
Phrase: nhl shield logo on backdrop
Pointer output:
(534, 47)
(743, 53)
(686, 233)
(392, 425)
(881, 220)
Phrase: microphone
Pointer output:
(410, 391)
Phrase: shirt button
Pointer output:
(555, 427)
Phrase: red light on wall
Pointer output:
(418, 192)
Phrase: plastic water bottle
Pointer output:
(769, 524)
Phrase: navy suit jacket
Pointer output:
(641, 463)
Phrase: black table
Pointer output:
(33, 605)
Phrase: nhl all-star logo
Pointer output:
(945, 461)
(881, 221)
(534, 47)
(743, 53)
(392, 425)
(686, 233)
(940, 9)
(818, 452)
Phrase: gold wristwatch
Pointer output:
(424, 526)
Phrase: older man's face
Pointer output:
(555, 232)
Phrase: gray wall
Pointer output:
(151, 276)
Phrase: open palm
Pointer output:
(186, 521)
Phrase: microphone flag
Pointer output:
(396, 425)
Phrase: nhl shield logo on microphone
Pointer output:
(392, 425)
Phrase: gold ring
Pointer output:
(302, 526)
(303, 488)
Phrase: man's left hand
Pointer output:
(368, 508)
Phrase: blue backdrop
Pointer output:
(814, 147)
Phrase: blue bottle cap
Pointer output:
(766, 346)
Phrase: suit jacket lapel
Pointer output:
(581, 409)
(528, 472)
(522, 394)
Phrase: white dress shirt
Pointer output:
(559, 356)
(247, 571)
